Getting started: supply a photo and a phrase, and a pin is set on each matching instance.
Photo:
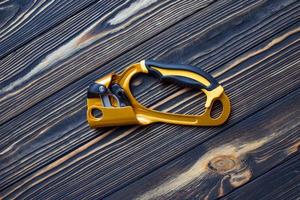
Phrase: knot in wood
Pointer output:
(223, 164)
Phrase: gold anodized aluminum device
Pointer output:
(111, 103)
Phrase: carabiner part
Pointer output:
(112, 97)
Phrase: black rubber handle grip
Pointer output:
(154, 66)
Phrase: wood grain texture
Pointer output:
(282, 182)
(80, 45)
(43, 124)
(21, 21)
(54, 146)
(229, 160)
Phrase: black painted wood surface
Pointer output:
(22, 21)
(47, 149)
(229, 160)
(284, 182)
(80, 45)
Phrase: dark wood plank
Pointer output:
(72, 99)
(55, 127)
(227, 161)
(80, 45)
(282, 182)
(21, 21)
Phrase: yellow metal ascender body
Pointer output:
(111, 103)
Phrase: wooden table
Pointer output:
(51, 51)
